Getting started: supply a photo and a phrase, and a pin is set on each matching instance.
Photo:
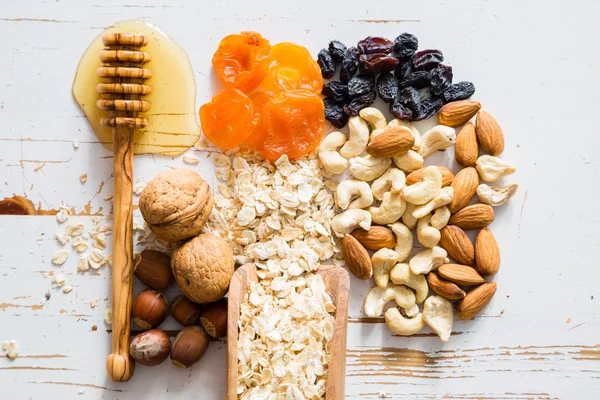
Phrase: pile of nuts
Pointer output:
(431, 200)
(175, 205)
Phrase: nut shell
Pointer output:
(203, 268)
(185, 311)
(150, 309)
(151, 347)
(153, 269)
(189, 346)
(176, 204)
(213, 318)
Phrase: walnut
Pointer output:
(176, 204)
(203, 268)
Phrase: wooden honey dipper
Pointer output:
(121, 94)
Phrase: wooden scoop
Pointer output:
(337, 285)
(121, 94)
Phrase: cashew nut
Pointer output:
(438, 314)
(401, 275)
(375, 118)
(352, 193)
(492, 168)
(409, 162)
(425, 190)
(440, 218)
(427, 260)
(496, 195)
(392, 180)
(437, 138)
(412, 312)
(401, 325)
(390, 210)
(332, 160)
(413, 130)
(368, 168)
(427, 235)
(443, 198)
(407, 217)
(378, 297)
(383, 261)
(404, 240)
(344, 223)
(359, 137)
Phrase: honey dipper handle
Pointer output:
(119, 364)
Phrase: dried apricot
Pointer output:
(259, 99)
(291, 123)
(242, 60)
(228, 119)
(292, 67)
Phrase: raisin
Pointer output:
(337, 90)
(358, 103)
(403, 68)
(387, 87)
(334, 112)
(337, 50)
(459, 91)
(406, 45)
(377, 63)
(349, 64)
(429, 107)
(361, 84)
(373, 45)
(441, 79)
(418, 80)
(326, 63)
(411, 98)
(398, 110)
(425, 60)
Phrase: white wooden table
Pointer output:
(535, 66)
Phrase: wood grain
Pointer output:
(337, 285)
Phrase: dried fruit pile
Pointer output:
(396, 71)
(404, 196)
(271, 98)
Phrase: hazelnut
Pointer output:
(189, 346)
(153, 268)
(176, 204)
(150, 309)
(185, 311)
(151, 347)
(213, 318)
(203, 268)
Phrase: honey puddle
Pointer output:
(172, 122)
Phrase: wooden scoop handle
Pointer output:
(119, 365)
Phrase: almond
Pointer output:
(475, 300)
(444, 288)
(466, 149)
(465, 187)
(458, 245)
(489, 134)
(376, 238)
(458, 112)
(393, 141)
(487, 253)
(417, 176)
(357, 258)
(473, 217)
(460, 274)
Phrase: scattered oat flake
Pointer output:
(201, 144)
(93, 303)
(83, 178)
(62, 216)
(74, 229)
(190, 159)
(97, 258)
(67, 289)
(108, 198)
(62, 238)
(108, 316)
(13, 350)
(81, 391)
(138, 189)
(75, 144)
(59, 257)
(5, 345)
